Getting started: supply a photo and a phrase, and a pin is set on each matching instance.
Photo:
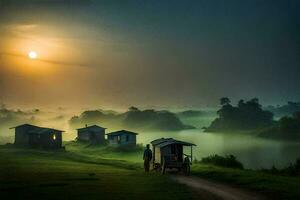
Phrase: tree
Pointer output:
(245, 116)
(254, 100)
(224, 101)
(292, 103)
(254, 104)
(133, 109)
(241, 103)
(296, 115)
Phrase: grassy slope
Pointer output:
(27, 174)
(105, 153)
(95, 172)
(278, 187)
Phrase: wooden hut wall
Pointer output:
(21, 138)
(51, 140)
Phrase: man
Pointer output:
(147, 158)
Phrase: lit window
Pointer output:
(54, 137)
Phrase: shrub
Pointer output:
(292, 170)
(229, 161)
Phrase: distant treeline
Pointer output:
(134, 118)
(285, 110)
(288, 127)
(191, 113)
(251, 117)
(247, 115)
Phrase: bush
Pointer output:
(229, 161)
(292, 170)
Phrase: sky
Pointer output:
(148, 53)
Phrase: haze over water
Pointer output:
(170, 54)
(253, 152)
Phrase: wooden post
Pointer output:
(191, 154)
(153, 157)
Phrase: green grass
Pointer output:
(30, 174)
(99, 172)
(276, 186)
(106, 152)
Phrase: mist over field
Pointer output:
(253, 151)
(69, 119)
(143, 99)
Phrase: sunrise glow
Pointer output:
(32, 55)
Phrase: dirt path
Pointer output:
(217, 190)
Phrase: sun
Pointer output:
(32, 55)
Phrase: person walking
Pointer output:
(147, 158)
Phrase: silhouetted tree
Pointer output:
(133, 119)
(296, 115)
(284, 110)
(289, 125)
(132, 109)
(241, 103)
(254, 100)
(224, 101)
(244, 116)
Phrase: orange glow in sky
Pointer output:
(32, 55)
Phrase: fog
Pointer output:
(53, 118)
(252, 151)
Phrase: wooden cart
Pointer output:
(168, 154)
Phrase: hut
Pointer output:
(169, 153)
(122, 137)
(93, 134)
(37, 137)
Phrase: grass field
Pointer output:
(98, 172)
(106, 152)
(274, 186)
(28, 174)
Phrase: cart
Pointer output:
(168, 153)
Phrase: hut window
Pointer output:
(127, 138)
(54, 137)
(119, 138)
